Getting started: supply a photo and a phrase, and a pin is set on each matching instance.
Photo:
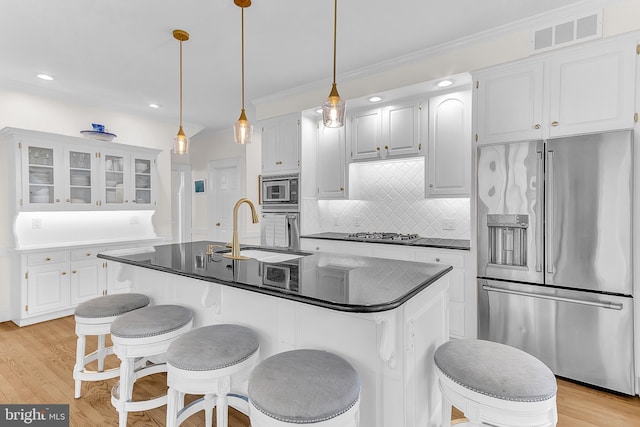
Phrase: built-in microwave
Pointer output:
(279, 193)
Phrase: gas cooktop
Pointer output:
(383, 237)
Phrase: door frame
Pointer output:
(238, 163)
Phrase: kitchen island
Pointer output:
(386, 317)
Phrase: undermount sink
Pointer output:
(268, 256)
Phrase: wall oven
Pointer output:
(279, 193)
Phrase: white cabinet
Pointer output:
(592, 89)
(392, 130)
(462, 300)
(330, 163)
(58, 172)
(578, 90)
(365, 134)
(448, 171)
(509, 103)
(55, 281)
(281, 144)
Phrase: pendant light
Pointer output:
(242, 129)
(333, 109)
(181, 142)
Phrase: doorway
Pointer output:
(227, 186)
(180, 203)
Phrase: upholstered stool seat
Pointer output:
(94, 317)
(495, 384)
(212, 361)
(144, 333)
(304, 387)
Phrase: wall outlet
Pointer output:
(448, 224)
(357, 221)
(36, 223)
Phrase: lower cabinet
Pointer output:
(55, 281)
(462, 301)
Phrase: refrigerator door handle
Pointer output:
(539, 214)
(604, 304)
(549, 204)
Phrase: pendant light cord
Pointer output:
(242, 8)
(335, 25)
(180, 83)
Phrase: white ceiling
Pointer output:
(121, 53)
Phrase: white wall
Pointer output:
(23, 110)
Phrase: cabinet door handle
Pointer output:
(386, 147)
(88, 253)
(437, 259)
(278, 163)
(73, 271)
(57, 200)
(537, 126)
(554, 123)
(48, 258)
(68, 200)
(217, 224)
(64, 273)
(377, 148)
(341, 188)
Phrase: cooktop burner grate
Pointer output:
(383, 236)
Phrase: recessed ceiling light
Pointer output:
(45, 77)
(375, 99)
(445, 83)
(154, 105)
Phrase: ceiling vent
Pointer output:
(567, 33)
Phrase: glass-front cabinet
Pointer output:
(115, 169)
(56, 172)
(81, 182)
(41, 173)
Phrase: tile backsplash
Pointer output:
(388, 196)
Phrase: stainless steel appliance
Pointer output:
(279, 193)
(280, 229)
(554, 253)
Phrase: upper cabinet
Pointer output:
(281, 144)
(56, 172)
(330, 163)
(387, 131)
(582, 90)
(509, 103)
(448, 171)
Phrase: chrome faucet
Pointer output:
(235, 243)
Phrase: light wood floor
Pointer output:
(36, 364)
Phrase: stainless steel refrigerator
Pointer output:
(554, 253)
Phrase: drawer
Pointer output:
(87, 253)
(41, 258)
(455, 260)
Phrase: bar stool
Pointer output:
(304, 387)
(495, 384)
(94, 317)
(144, 333)
(212, 361)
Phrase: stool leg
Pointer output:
(101, 353)
(127, 377)
(173, 396)
(222, 411)
(209, 403)
(446, 412)
(180, 401)
(79, 366)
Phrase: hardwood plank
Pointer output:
(36, 364)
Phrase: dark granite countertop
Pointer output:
(423, 241)
(339, 282)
